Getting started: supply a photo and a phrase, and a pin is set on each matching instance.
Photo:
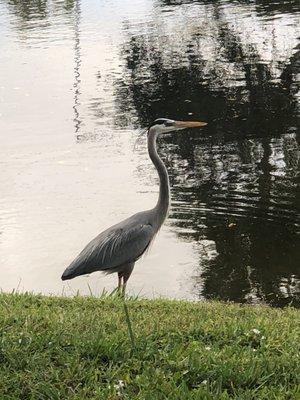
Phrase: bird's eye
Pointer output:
(169, 123)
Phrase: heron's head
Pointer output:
(164, 125)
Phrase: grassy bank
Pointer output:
(62, 348)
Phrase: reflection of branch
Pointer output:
(77, 57)
(30, 15)
(30, 9)
(290, 71)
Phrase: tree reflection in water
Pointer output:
(29, 11)
(235, 187)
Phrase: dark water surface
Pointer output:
(78, 82)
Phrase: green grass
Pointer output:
(79, 348)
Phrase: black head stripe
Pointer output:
(162, 121)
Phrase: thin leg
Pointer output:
(126, 276)
(129, 327)
(124, 286)
(120, 282)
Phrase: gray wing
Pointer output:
(118, 245)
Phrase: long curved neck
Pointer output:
(162, 206)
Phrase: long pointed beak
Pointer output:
(189, 124)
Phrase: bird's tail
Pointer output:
(70, 272)
(67, 275)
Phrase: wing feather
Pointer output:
(114, 247)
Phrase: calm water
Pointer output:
(81, 79)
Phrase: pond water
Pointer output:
(80, 80)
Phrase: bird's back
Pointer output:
(118, 245)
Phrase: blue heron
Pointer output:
(118, 248)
